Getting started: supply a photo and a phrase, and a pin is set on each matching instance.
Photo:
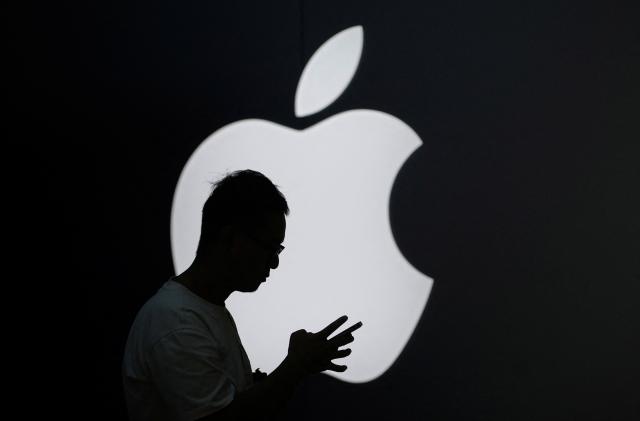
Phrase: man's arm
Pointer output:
(262, 400)
(309, 353)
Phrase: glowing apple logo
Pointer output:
(341, 257)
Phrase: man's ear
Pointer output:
(226, 234)
(228, 238)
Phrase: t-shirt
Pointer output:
(183, 358)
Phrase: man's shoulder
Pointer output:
(173, 309)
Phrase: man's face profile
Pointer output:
(255, 252)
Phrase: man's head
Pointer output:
(244, 218)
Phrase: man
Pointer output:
(184, 359)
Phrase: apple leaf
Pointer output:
(329, 71)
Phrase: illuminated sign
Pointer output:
(341, 257)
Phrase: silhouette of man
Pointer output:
(184, 359)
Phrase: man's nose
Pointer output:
(274, 261)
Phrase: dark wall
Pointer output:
(523, 202)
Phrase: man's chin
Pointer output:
(253, 286)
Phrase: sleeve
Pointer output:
(187, 367)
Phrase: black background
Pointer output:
(522, 203)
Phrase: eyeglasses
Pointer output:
(273, 251)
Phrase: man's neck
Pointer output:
(206, 283)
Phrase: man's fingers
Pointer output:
(345, 336)
(331, 327)
(352, 328)
(341, 353)
(335, 367)
(340, 340)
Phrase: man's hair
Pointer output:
(240, 199)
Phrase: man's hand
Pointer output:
(259, 376)
(312, 353)
(308, 353)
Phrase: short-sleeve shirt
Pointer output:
(183, 358)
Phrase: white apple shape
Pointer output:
(340, 257)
